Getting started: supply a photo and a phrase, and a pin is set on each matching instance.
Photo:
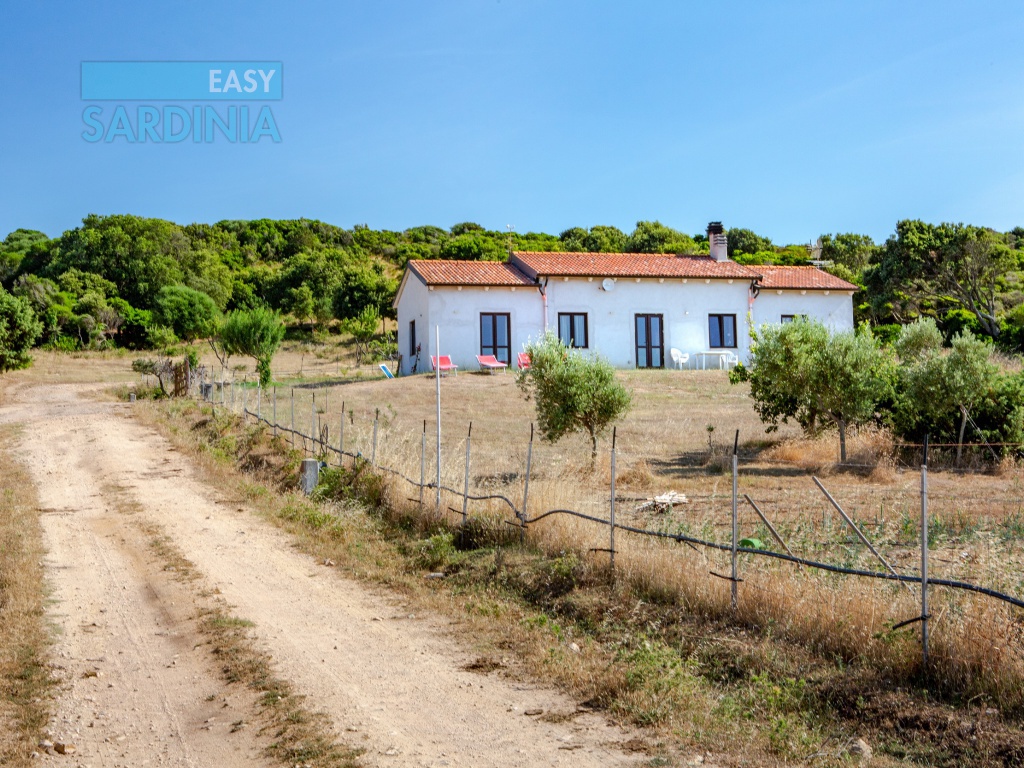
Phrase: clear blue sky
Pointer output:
(789, 118)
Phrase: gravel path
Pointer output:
(140, 688)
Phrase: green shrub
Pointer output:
(436, 552)
(19, 330)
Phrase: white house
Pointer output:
(631, 308)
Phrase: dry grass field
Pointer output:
(678, 437)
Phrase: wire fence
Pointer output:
(311, 434)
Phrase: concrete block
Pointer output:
(309, 475)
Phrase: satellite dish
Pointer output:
(607, 284)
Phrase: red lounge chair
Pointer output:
(443, 363)
(491, 363)
(523, 360)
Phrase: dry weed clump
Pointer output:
(870, 448)
(638, 475)
(809, 454)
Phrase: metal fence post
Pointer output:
(860, 534)
(611, 517)
(274, 409)
(293, 418)
(341, 436)
(735, 519)
(526, 488)
(373, 453)
(437, 384)
(259, 401)
(771, 528)
(423, 462)
(245, 397)
(312, 424)
(924, 555)
(465, 487)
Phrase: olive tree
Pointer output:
(573, 392)
(941, 385)
(801, 370)
(363, 328)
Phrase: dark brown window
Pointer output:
(496, 335)
(572, 329)
(412, 339)
(788, 318)
(650, 341)
(722, 331)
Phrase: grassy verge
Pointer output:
(298, 735)
(698, 679)
(25, 681)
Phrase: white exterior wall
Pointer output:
(413, 304)
(457, 313)
(833, 308)
(684, 307)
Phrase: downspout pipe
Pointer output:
(752, 294)
(542, 286)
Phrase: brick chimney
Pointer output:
(718, 241)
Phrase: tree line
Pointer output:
(142, 283)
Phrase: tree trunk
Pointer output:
(842, 440)
(593, 449)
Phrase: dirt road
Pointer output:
(139, 687)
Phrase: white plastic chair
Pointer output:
(679, 358)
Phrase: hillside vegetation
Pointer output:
(135, 282)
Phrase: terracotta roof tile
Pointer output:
(629, 265)
(527, 263)
(806, 278)
(440, 272)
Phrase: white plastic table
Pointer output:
(722, 356)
